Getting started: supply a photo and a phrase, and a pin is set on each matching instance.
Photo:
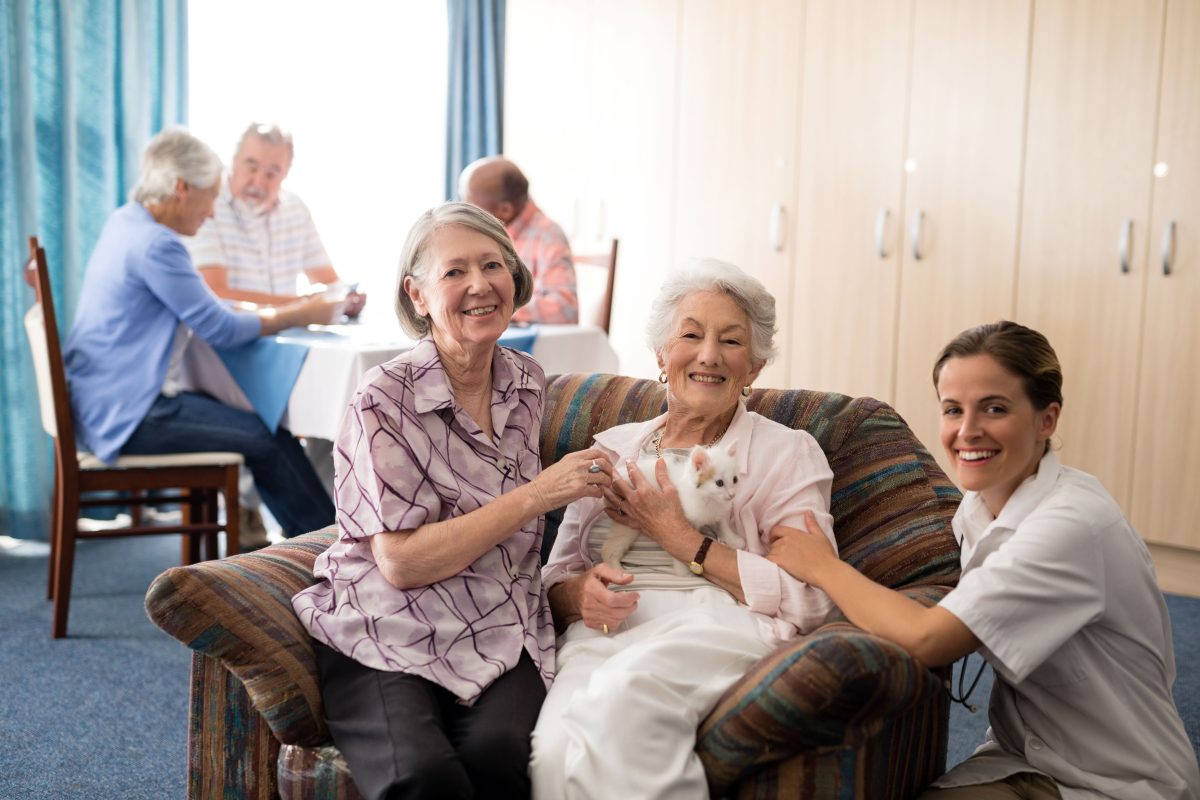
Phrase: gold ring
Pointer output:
(604, 627)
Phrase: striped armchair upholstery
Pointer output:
(836, 714)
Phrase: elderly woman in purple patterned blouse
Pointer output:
(434, 639)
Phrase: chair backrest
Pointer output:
(595, 276)
(41, 325)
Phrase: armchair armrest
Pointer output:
(835, 688)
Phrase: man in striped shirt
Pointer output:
(498, 187)
(261, 239)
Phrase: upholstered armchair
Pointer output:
(835, 714)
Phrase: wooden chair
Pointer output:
(195, 480)
(592, 271)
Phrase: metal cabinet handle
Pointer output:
(1123, 244)
(915, 233)
(880, 228)
(775, 228)
(1168, 247)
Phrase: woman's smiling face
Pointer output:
(990, 430)
(467, 291)
(707, 358)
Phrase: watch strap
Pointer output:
(697, 565)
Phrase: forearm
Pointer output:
(439, 550)
(274, 320)
(889, 614)
(564, 601)
(683, 541)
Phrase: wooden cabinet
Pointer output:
(1093, 101)
(735, 169)
(909, 193)
(1166, 440)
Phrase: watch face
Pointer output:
(697, 569)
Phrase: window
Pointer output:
(362, 88)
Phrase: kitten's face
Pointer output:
(713, 472)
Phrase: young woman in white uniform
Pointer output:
(1057, 591)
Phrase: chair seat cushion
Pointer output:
(239, 610)
(160, 460)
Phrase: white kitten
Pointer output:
(705, 481)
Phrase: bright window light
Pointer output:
(362, 88)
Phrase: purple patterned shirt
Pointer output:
(407, 454)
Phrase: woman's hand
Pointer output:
(600, 606)
(803, 554)
(651, 507)
(584, 473)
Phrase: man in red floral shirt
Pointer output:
(496, 185)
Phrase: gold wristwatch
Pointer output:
(697, 565)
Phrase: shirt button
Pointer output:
(1035, 743)
(501, 462)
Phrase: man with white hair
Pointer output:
(261, 238)
(142, 299)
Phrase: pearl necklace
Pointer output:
(659, 434)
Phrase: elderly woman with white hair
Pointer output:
(142, 299)
(644, 655)
(434, 641)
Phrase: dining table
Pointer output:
(304, 378)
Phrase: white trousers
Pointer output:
(620, 719)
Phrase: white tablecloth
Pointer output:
(339, 355)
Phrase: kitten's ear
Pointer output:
(699, 458)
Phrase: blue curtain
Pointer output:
(475, 96)
(84, 85)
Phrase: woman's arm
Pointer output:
(437, 550)
(933, 636)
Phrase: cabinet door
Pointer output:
(965, 137)
(851, 151)
(739, 92)
(1166, 504)
(1092, 101)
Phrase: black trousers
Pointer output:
(405, 737)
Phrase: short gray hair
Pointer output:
(173, 154)
(271, 134)
(414, 261)
(710, 275)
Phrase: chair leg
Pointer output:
(233, 525)
(64, 560)
(211, 551)
(191, 541)
(55, 527)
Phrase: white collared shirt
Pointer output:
(1062, 594)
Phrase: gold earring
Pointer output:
(746, 390)
(662, 376)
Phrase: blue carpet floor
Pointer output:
(103, 714)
